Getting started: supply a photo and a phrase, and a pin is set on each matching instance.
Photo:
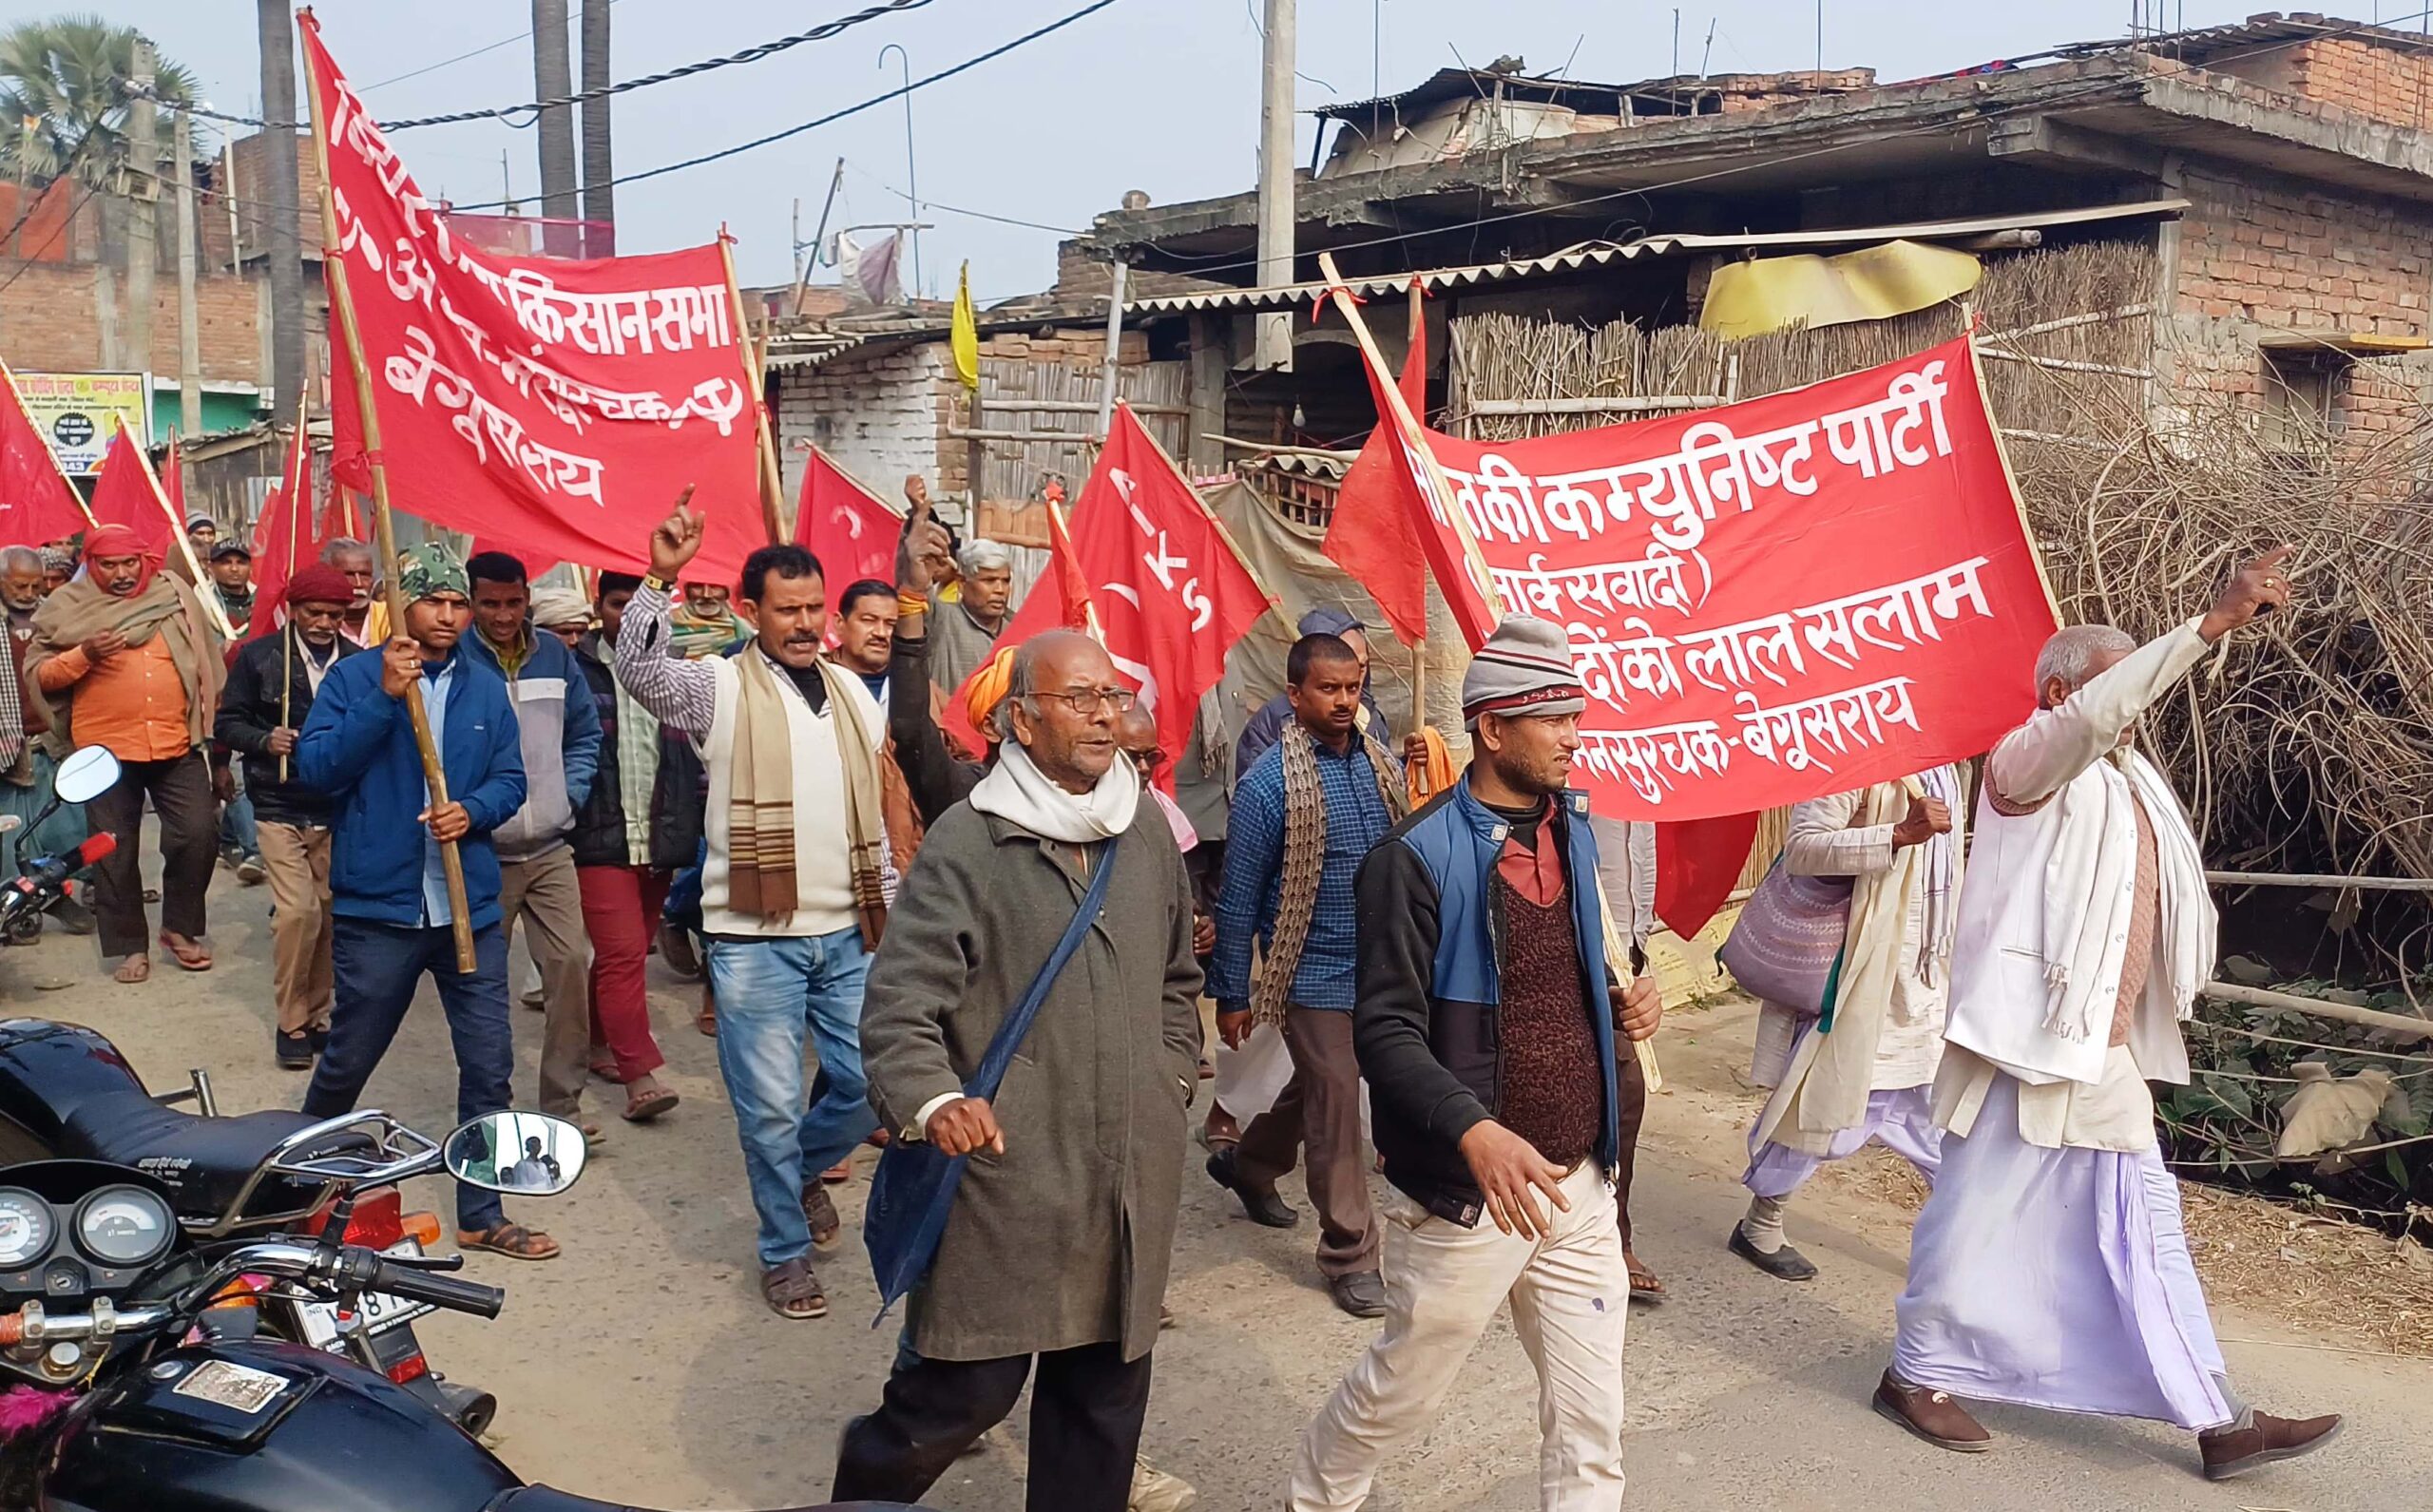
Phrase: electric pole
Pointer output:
(1274, 347)
(143, 202)
(189, 322)
(283, 245)
(553, 79)
(599, 162)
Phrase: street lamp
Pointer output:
(911, 171)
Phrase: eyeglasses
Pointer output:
(1148, 761)
(1086, 703)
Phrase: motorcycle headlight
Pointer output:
(26, 1229)
(123, 1226)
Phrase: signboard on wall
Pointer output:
(74, 410)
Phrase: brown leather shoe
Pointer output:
(2264, 1440)
(1933, 1416)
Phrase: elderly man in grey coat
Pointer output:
(1055, 1256)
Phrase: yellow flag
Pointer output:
(965, 336)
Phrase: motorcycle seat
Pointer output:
(203, 1161)
(544, 1499)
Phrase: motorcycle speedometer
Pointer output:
(122, 1226)
(27, 1228)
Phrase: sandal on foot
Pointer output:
(134, 969)
(648, 1106)
(826, 1227)
(1645, 1285)
(514, 1241)
(189, 956)
(605, 1069)
(793, 1291)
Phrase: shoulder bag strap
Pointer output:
(1009, 1034)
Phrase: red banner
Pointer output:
(37, 502)
(1158, 573)
(555, 404)
(847, 528)
(1799, 595)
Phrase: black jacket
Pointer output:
(938, 781)
(249, 712)
(599, 835)
(1428, 1027)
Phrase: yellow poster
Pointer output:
(73, 409)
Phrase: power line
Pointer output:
(834, 116)
(445, 63)
(752, 54)
(926, 204)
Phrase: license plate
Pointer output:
(380, 1310)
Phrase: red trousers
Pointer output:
(620, 911)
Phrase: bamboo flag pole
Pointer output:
(210, 600)
(1617, 948)
(1415, 333)
(295, 481)
(452, 863)
(772, 486)
(18, 394)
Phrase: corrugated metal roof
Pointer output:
(1597, 253)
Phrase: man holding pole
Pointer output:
(130, 661)
(270, 692)
(393, 919)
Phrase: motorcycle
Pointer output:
(138, 1378)
(67, 1092)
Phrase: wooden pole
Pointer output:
(2369, 1018)
(434, 775)
(1114, 345)
(772, 489)
(65, 481)
(299, 498)
(1413, 333)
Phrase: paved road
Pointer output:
(642, 1366)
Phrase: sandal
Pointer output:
(188, 955)
(136, 968)
(827, 1226)
(1645, 1287)
(649, 1105)
(514, 1241)
(707, 1020)
(793, 1291)
(605, 1069)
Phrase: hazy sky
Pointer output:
(1159, 95)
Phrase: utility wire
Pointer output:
(752, 54)
(926, 204)
(446, 62)
(834, 116)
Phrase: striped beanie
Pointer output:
(1524, 669)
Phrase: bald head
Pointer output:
(2074, 657)
(1061, 704)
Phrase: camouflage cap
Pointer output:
(431, 568)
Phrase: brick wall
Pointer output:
(2373, 80)
(49, 322)
(877, 414)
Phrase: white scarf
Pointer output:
(1016, 791)
(2090, 890)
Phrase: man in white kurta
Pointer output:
(2049, 1267)
(1898, 844)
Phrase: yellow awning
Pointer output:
(1766, 293)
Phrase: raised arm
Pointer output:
(681, 694)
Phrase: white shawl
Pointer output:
(1019, 793)
(2091, 889)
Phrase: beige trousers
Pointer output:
(297, 860)
(543, 895)
(1443, 1285)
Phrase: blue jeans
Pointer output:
(378, 967)
(772, 995)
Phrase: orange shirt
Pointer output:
(135, 702)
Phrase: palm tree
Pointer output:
(62, 96)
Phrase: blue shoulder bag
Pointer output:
(913, 1190)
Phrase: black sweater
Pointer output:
(249, 712)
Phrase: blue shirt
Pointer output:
(434, 878)
(1356, 818)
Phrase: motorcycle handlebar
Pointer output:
(440, 1291)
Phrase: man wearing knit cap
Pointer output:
(271, 688)
(1486, 1026)
(393, 919)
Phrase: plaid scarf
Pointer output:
(760, 799)
(1305, 857)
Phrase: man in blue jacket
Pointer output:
(391, 913)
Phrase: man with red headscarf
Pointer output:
(271, 686)
(128, 662)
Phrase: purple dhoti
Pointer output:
(2057, 1279)
(1899, 1118)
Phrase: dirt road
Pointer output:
(642, 1366)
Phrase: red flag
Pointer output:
(1371, 537)
(1696, 863)
(559, 405)
(847, 528)
(173, 482)
(126, 494)
(285, 539)
(341, 518)
(1169, 594)
(1072, 579)
(37, 502)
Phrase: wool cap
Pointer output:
(1523, 669)
(319, 584)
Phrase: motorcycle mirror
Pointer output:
(88, 772)
(529, 1154)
